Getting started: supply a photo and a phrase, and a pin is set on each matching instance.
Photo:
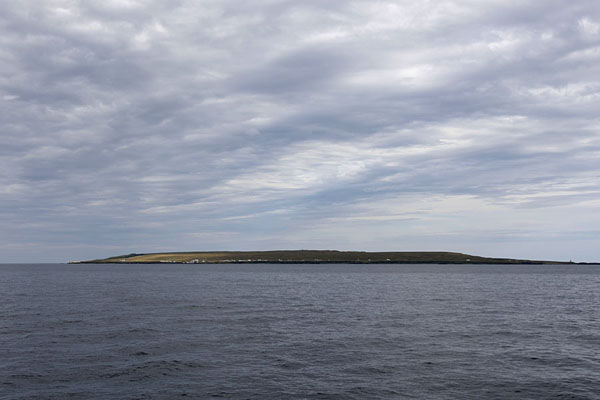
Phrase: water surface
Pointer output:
(299, 331)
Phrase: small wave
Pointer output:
(151, 369)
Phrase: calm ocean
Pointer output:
(299, 331)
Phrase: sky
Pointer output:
(450, 125)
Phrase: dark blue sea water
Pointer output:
(299, 331)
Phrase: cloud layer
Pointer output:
(390, 125)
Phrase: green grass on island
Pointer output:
(312, 257)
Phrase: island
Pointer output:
(311, 257)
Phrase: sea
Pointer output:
(299, 331)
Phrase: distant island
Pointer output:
(310, 257)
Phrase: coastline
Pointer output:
(312, 257)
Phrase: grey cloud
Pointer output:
(138, 125)
(302, 70)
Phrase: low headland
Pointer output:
(310, 257)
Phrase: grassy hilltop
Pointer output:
(312, 257)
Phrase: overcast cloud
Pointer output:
(139, 126)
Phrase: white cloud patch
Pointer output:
(588, 27)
